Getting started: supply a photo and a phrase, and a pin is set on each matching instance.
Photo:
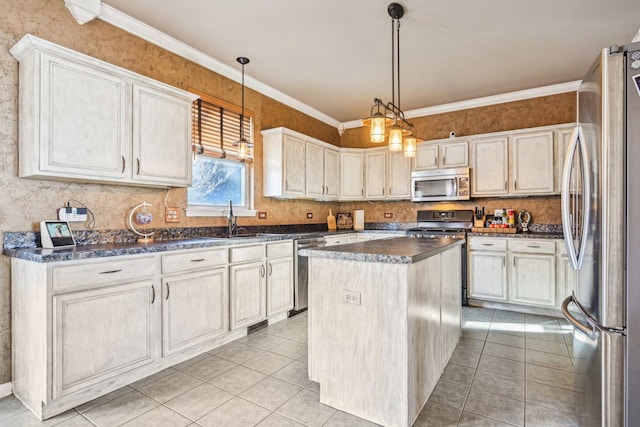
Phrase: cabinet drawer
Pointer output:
(532, 246)
(93, 274)
(487, 244)
(193, 260)
(246, 253)
(280, 249)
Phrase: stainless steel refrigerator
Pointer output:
(601, 222)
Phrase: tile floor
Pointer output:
(509, 369)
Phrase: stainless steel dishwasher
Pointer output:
(301, 288)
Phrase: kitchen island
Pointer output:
(384, 319)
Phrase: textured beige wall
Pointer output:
(25, 202)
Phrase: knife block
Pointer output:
(479, 222)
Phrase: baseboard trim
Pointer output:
(6, 389)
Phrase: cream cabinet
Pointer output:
(450, 302)
(487, 268)
(489, 167)
(341, 239)
(351, 175)
(195, 298)
(532, 170)
(279, 266)
(321, 171)
(441, 155)
(562, 138)
(82, 119)
(533, 274)
(375, 173)
(398, 176)
(101, 333)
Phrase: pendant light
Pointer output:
(389, 118)
(242, 144)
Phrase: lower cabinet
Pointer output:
(279, 285)
(101, 333)
(195, 309)
(517, 270)
(487, 275)
(248, 294)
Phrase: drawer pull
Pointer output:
(533, 246)
(197, 260)
(153, 294)
(111, 271)
(168, 291)
(487, 244)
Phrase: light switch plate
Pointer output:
(262, 215)
(388, 215)
(309, 215)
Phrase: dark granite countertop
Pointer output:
(520, 235)
(118, 249)
(399, 250)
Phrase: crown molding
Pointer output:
(138, 28)
(483, 102)
(131, 25)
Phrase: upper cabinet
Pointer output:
(86, 120)
(442, 155)
(298, 166)
(352, 174)
(375, 167)
(489, 167)
(526, 162)
(398, 175)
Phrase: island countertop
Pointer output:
(399, 250)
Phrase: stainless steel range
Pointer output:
(451, 224)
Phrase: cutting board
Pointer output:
(331, 221)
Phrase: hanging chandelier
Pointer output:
(387, 119)
(242, 144)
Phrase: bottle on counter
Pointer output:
(511, 217)
(505, 219)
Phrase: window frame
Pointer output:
(248, 210)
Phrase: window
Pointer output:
(219, 175)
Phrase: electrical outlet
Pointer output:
(309, 215)
(262, 215)
(72, 214)
(388, 215)
(351, 297)
(171, 214)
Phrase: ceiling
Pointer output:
(335, 55)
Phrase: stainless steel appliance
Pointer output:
(440, 185)
(301, 273)
(600, 206)
(451, 224)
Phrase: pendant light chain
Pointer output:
(387, 120)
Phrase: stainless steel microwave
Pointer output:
(440, 185)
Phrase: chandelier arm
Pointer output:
(398, 59)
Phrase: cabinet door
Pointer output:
(247, 294)
(454, 155)
(489, 167)
(398, 176)
(314, 170)
(375, 167)
(533, 279)
(532, 163)
(84, 127)
(331, 173)
(279, 285)
(294, 166)
(161, 138)
(351, 175)
(101, 333)
(195, 309)
(426, 157)
(562, 138)
(487, 275)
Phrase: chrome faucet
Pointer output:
(231, 220)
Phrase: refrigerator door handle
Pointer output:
(592, 327)
(575, 256)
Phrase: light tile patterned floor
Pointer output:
(509, 369)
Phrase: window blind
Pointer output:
(216, 127)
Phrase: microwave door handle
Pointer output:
(455, 186)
